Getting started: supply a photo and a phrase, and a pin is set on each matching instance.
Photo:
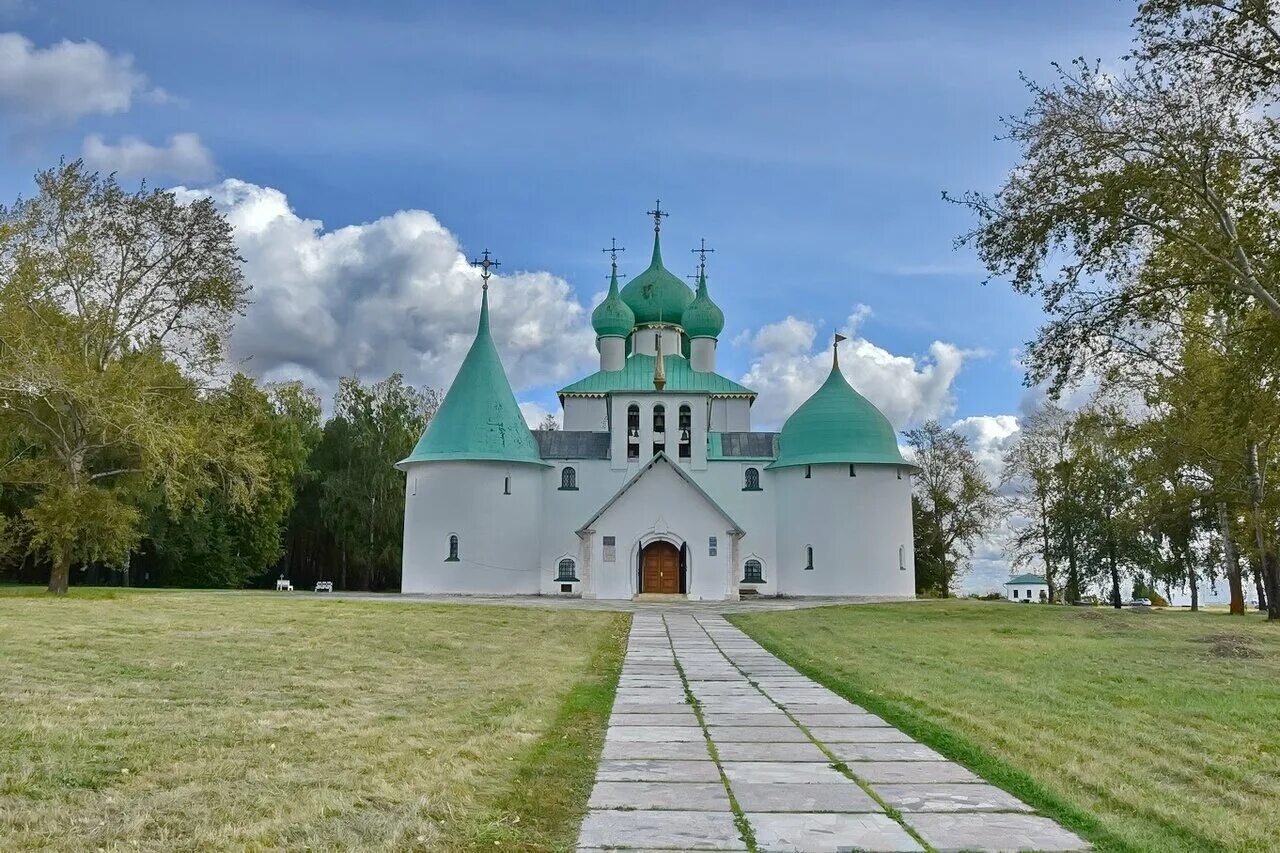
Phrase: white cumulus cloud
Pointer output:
(67, 80)
(990, 437)
(183, 158)
(786, 369)
(392, 295)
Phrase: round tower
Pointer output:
(473, 487)
(844, 498)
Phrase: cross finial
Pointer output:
(701, 252)
(484, 262)
(613, 251)
(657, 213)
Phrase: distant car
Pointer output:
(324, 586)
(1139, 602)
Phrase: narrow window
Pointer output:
(711, 546)
(686, 432)
(808, 471)
(569, 479)
(453, 547)
(752, 572)
(610, 549)
(506, 485)
(808, 556)
(902, 557)
(564, 571)
(751, 480)
(659, 428)
(633, 431)
(852, 471)
(899, 473)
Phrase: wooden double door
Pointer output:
(660, 568)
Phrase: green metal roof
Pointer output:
(703, 318)
(656, 295)
(637, 375)
(660, 456)
(613, 317)
(1026, 579)
(479, 418)
(837, 424)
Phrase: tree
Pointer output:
(955, 495)
(361, 498)
(218, 542)
(1029, 475)
(549, 422)
(931, 559)
(112, 305)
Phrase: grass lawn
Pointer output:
(1151, 731)
(251, 721)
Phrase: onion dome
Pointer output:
(656, 295)
(837, 424)
(479, 418)
(612, 317)
(703, 318)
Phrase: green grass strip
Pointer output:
(960, 749)
(547, 799)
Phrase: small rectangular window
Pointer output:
(610, 549)
(853, 472)
(711, 546)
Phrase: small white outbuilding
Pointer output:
(1026, 588)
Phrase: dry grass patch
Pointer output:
(1141, 730)
(189, 720)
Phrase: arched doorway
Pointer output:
(661, 568)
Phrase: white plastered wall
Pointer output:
(859, 529)
(498, 534)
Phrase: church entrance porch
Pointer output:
(662, 569)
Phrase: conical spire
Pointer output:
(479, 418)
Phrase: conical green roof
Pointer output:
(612, 317)
(479, 418)
(836, 424)
(703, 318)
(656, 295)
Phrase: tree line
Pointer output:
(1143, 214)
(127, 452)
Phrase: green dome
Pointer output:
(656, 295)
(612, 317)
(703, 318)
(837, 424)
(479, 418)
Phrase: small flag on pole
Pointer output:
(835, 351)
(840, 337)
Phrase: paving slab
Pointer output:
(685, 719)
(993, 833)
(838, 719)
(825, 832)
(655, 734)
(780, 771)
(651, 707)
(686, 796)
(756, 734)
(775, 719)
(927, 772)
(676, 750)
(883, 752)
(949, 797)
(859, 734)
(842, 796)
(680, 830)
(770, 752)
(656, 770)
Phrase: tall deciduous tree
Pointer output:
(954, 493)
(112, 304)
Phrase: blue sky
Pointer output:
(808, 145)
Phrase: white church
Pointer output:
(656, 485)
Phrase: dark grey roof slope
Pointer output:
(748, 445)
(572, 444)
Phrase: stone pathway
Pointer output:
(753, 764)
